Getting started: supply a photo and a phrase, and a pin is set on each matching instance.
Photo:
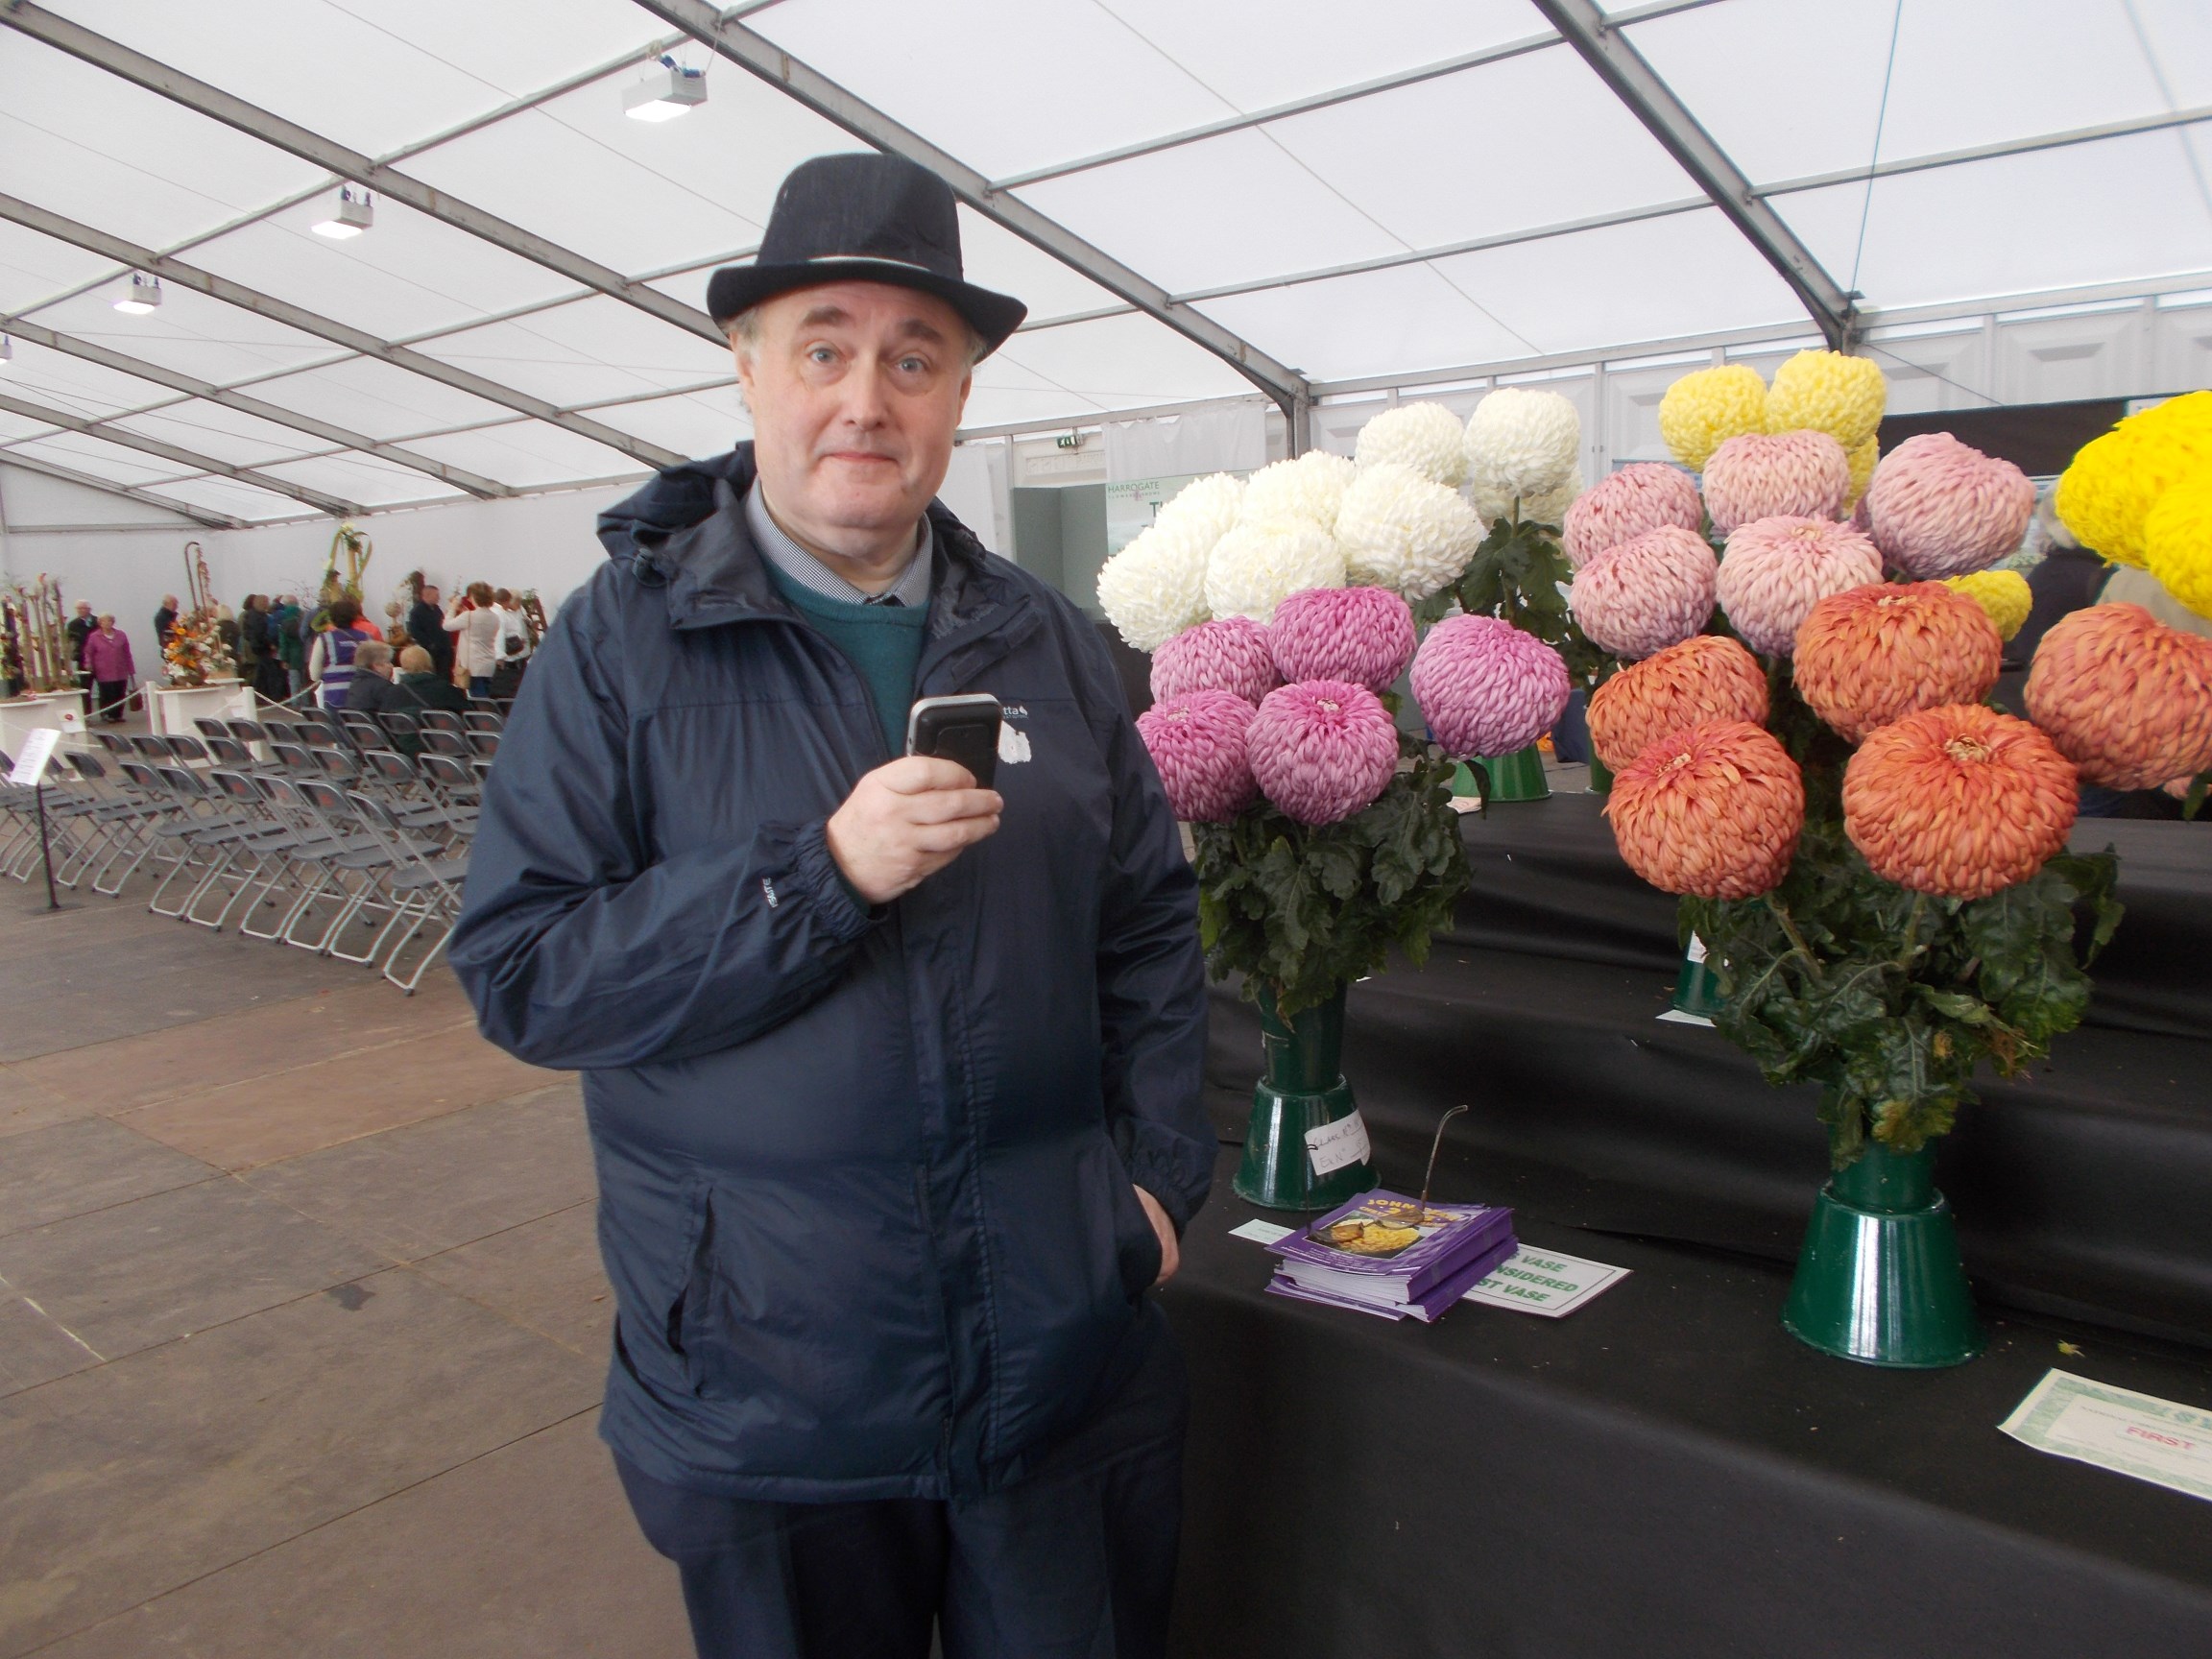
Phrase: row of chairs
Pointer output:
(439, 731)
(357, 855)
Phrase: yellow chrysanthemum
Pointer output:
(1863, 460)
(2001, 593)
(2177, 542)
(1828, 391)
(2106, 493)
(1707, 407)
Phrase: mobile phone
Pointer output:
(962, 729)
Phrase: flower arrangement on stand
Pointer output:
(1876, 859)
(194, 653)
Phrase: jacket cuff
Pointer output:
(842, 911)
(1174, 1169)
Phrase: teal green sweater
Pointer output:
(883, 642)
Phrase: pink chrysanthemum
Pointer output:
(1198, 743)
(1650, 592)
(1322, 748)
(1229, 654)
(1364, 634)
(1777, 569)
(1628, 503)
(1938, 508)
(1802, 474)
(1485, 687)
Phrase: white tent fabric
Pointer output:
(1347, 197)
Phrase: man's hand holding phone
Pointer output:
(906, 821)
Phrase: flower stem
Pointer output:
(1913, 933)
(1796, 938)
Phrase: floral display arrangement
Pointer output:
(195, 654)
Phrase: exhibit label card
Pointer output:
(37, 748)
(1260, 1232)
(1334, 1145)
(2117, 1429)
(1545, 1282)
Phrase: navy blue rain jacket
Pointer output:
(865, 1177)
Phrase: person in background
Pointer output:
(515, 647)
(372, 689)
(108, 658)
(425, 686)
(164, 620)
(475, 627)
(229, 634)
(284, 620)
(426, 628)
(80, 628)
(330, 662)
(259, 628)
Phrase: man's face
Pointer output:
(430, 595)
(84, 606)
(855, 390)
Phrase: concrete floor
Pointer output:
(302, 1321)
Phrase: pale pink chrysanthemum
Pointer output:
(1650, 592)
(1485, 687)
(1628, 503)
(1229, 654)
(1322, 748)
(1763, 475)
(1364, 634)
(1940, 508)
(1198, 743)
(1777, 569)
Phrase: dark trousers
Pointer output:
(109, 698)
(1075, 1562)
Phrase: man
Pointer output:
(370, 690)
(284, 623)
(892, 1082)
(164, 620)
(80, 628)
(427, 627)
(108, 658)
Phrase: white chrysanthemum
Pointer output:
(1203, 509)
(1156, 586)
(1400, 531)
(1256, 567)
(1426, 436)
(1311, 488)
(1523, 444)
(1492, 503)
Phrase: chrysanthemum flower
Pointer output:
(1628, 503)
(1364, 634)
(2126, 699)
(2177, 542)
(1712, 810)
(1649, 593)
(1707, 407)
(1707, 676)
(1485, 687)
(1310, 487)
(1777, 569)
(1198, 743)
(1426, 436)
(1232, 655)
(1256, 567)
(1763, 475)
(1204, 508)
(2004, 594)
(1828, 391)
(1938, 508)
(2107, 493)
(1156, 586)
(1322, 748)
(1522, 444)
(1869, 656)
(1863, 459)
(1402, 531)
(1492, 502)
(1959, 801)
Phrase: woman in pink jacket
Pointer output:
(108, 659)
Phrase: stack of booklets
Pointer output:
(1387, 1254)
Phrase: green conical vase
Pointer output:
(1518, 775)
(1303, 1089)
(1880, 1279)
(1600, 775)
(1697, 990)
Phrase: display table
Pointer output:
(171, 708)
(19, 716)
(1663, 1472)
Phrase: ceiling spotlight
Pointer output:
(355, 214)
(7, 350)
(144, 294)
(666, 93)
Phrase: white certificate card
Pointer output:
(2117, 1429)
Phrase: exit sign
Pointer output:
(1070, 441)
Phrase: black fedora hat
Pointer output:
(864, 217)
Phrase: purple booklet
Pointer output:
(1386, 1247)
(1427, 1308)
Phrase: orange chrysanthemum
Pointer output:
(1712, 810)
(2126, 699)
(1872, 655)
(1706, 677)
(1960, 801)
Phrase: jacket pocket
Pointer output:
(1137, 1246)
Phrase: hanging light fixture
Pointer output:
(354, 215)
(143, 295)
(7, 350)
(666, 93)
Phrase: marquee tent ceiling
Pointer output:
(1196, 201)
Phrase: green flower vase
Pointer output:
(1880, 1279)
(1601, 777)
(1518, 775)
(1696, 988)
(1303, 1089)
